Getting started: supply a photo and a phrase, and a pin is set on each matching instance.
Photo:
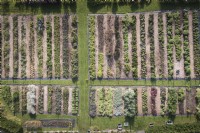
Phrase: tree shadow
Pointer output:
(131, 121)
(32, 116)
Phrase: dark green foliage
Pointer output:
(143, 46)
(50, 99)
(49, 47)
(130, 104)
(144, 102)
(74, 64)
(6, 95)
(41, 100)
(58, 94)
(65, 100)
(196, 44)
(177, 128)
(75, 101)
(172, 101)
(91, 28)
(163, 100)
(24, 100)
(15, 100)
(57, 46)
(23, 49)
(32, 49)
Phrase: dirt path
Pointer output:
(165, 45)
(96, 46)
(104, 48)
(191, 45)
(138, 44)
(53, 47)
(61, 47)
(156, 47)
(45, 49)
(10, 19)
(19, 43)
(130, 50)
(35, 47)
(147, 39)
(70, 101)
(27, 26)
(158, 102)
(139, 101)
(45, 99)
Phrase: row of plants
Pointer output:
(186, 47)
(65, 97)
(93, 107)
(126, 26)
(152, 47)
(50, 99)
(178, 33)
(23, 48)
(153, 101)
(45, 1)
(0, 51)
(161, 45)
(6, 47)
(75, 101)
(118, 47)
(181, 98)
(109, 46)
(41, 100)
(65, 50)
(143, 46)
(105, 102)
(49, 47)
(134, 48)
(190, 98)
(57, 46)
(130, 109)
(144, 102)
(172, 102)
(100, 65)
(196, 44)
(6, 95)
(170, 45)
(198, 104)
(117, 102)
(58, 96)
(24, 100)
(32, 49)
(74, 54)
(15, 101)
(40, 29)
(163, 101)
(15, 47)
(91, 36)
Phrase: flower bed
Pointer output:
(15, 100)
(58, 94)
(163, 100)
(62, 123)
(144, 102)
(181, 98)
(32, 49)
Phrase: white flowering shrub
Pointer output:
(31, 101)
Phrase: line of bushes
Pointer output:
(153, 101)
(143, 46)
(65, 97)
(40, 29)
(65, 49)
(172, 102)
(6, 47)
(93, 107)
(15, 101)
(100, 66)
(117, 102)
(58, 95)
(75, 101)
(161, 45)
(49, 47)
(162, 101)
(130, 109)
(32, 49)
(41, 100)
(196, 44)
(198, 104)
(15, 47)
(91, 34)
(23, 48)
(152, 47)
(24, 100)
(57, 46)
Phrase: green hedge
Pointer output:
(9, 125)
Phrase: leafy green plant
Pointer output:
(198, 104)
(58, 94)
(65, 100)
(172, 101)
(100, 66)
(75, 101)
(144, 102)
(50, 99)
(15, 99)
(41, 100)
(163, 100)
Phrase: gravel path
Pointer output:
(35, 47)
(45, 99)
(138, 44)
(19, 43)
(165, 46)
(191, 45)
(156, 46)
(10, 19)
(148, 62)
(139, 101)
(45, 49)
(96, 46)
(70, 101)
(61, 47)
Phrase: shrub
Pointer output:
(117, 102)
(15, 100)
(31, 99)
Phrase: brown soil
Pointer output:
(104, 49)
(156, 43)
(165, 46)
(190, 100)
(11, 47)
(138, 44)
(45, 99)
(45, 49)
(19, 42)
(70, 101)
(191, 45)
(139, 101)
(35, 47)
(148, 63)
(158, 101)
(149, 100)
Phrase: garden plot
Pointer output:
(130, 101)
(144, 45)
(34, 99)
(43, 46)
